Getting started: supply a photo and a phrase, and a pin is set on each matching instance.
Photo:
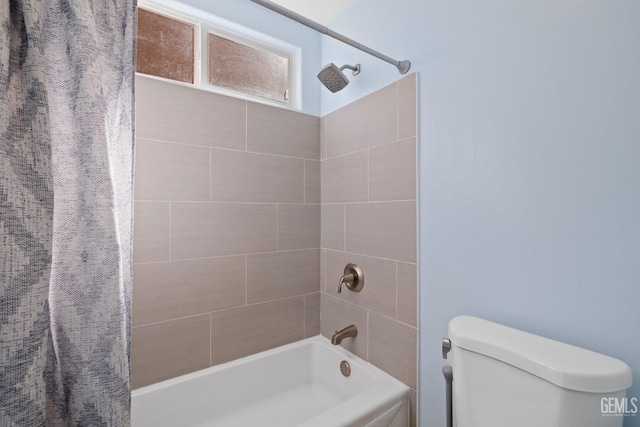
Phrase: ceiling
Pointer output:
(321, 11)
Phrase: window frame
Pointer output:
(236, 33)
(206, 29)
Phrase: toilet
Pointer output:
(504, 377)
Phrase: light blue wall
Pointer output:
(256, 18)
(529, 165)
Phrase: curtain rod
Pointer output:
(403, 66)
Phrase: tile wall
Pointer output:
(368, 172)
(234, 201)
(227, 219)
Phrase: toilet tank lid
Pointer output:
(562, 364)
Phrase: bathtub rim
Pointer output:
(378, 399)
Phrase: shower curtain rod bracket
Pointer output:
(403, 66)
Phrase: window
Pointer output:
(247, 68)
(166, 47)
(169, 47)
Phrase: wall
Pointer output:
(529, 154)
(369, 218)
(227, 222)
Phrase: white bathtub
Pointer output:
(298, 384)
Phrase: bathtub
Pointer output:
(299, 384)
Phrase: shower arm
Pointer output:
(403, 66)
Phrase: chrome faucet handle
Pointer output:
(353, 277)
(348, 279)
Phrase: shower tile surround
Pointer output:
(227, 218)
(368, 217)
(234, 201)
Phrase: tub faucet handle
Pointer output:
(348, 279)
(353, 277)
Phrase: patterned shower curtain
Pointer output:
(66, 166)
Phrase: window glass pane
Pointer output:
(248, 69)
(165, 47)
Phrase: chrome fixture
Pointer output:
(402, 66)
(446, 347)
(353, 277)
(345, 368)
(334, 79)
(349, 332)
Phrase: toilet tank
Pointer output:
(504, 377)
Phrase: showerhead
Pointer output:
(333, 78)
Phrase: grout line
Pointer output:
(323, 270)
(210, 339)
(395, 321)
(325, 141)
(230, 149)
(368, 176)
(304, 315)
(246, 126)
(397, 110)
(246, 279)
(304, 181)
(370, 256)
(368, 335)
(210, 175)
(344, 227)
(277, 228)
(369, 202)
(283, 251)
(205, 202)
(267, 301)
(210, 313)
(170, 234)
(396, 290)
(364, 149)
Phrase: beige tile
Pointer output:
(392, 171)
(171, 112)
(336, 314)
(365, 123)
(249, 177)
(393, 348)
(408, 294)
(312, 315)
(379, 292)
(386, 230)
(243, 331)
(323, 138)
(311, 181)
(278, 275)
(407, 106)
(201, 230)
(168, 171)
(333, 227)
(278, 131)
(169, 349)
(151, 231)
(323, 259)
(298, 226)
(169, 290)
(344, 179)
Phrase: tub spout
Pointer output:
(349, 332)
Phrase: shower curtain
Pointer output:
(66, 163)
